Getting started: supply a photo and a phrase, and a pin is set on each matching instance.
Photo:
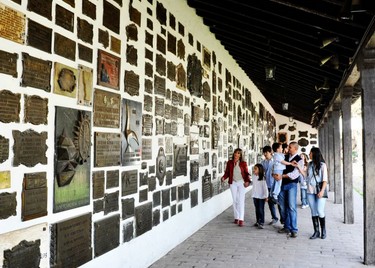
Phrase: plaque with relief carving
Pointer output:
(65, 80)
(108, 70)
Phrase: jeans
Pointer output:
(238, 194)
(259, 210)
(317, 205)
(288, 206)
(304, 196)
(271, 205)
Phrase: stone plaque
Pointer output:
(106, 109)
(13, 24)
(108, 70)
(180, 160)
(97, 184)
(8, 205)
(36, 110)
(111, 202)
(107, 149)
(36, 72)
(146, 149)
(129, 182)
(4, 179)
(34, 196)
(65, 80)
(104, 38)
(85, 89)
(111, 17)
(10, 106)
(143, 218)
(84, 53)
(89, 9)
(147, 125)
(115, 45)
(71, 242)
(8, 62)
(132, 32)
(65, 47)
(132, 83)
(112, 179)
(25, 254)
(131, 55)
(29, 148)
(64, 18)
(106, 235)
(127, 208)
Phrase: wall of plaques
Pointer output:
(117, 119)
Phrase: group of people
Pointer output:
(275, 181)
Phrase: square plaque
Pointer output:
(106, 109)
(36, 72)
(129, 182)
(143, 218)
(65, 47)
(65, 80)
(13, 24)
(108, 70)
(8, 62)
(36, 110)
(107, 149)
(106, 235)
(4, 179)
(8, 204)
(29, 148)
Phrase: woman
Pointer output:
(317, 173)
(302, 180)
(239, 178)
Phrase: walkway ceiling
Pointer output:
(312, 43)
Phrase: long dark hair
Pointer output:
(316, 158)
(261, 171)
(237, 150)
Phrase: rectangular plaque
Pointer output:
(36, 72)
(65, 80)
(159, 106)
(129, 182)
(84, 53)
(115, 45)
(39, 36)
(146, 149)
(108, 70)
(180, 160)
(159, 86)
(127, 208)
(147, 125)
(159, 128)
(8, 63)
(106, 109)
(147, 103)
(89, 9)
(41, 7)
(85, 31)
(85, 82)
(111, 202)
(71, 242)
(8, 204)
(107, 149)
(36, 110)
(13, 24)
(143, 218)
(25, 254)
(106, 235)
(29, 148)
(111, 17)
(34, 196)
(65, 47)
(64, 18)
(4, 179)
(132, 83)
(97, 184)
(10, 106)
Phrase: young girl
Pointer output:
(260, 194)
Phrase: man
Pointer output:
(288, 193)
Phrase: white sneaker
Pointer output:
(305, 206)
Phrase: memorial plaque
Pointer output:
(165, 201)
(98, 206)
(8, 205)
(302, 134)
(146, 149)
(167, 111)
(303, 142)
(65, 80)
(127, 208)
(89, 9)
(106, 235)
(194, 78)
(111, 202)
(143, 178)
(149, 54)
(13, 24)
(149, 69)
(159, 128)
(143, 195)
(149, 39)
(128, 232)
(41, 7)
(159, 85)
(4, 178)
(107, 149)
(147, 103)
(206, 186)
(160, 166)
(97, 184)
(143, 218)
(65, 47)
(156, 217)
(129, 182)
(36, 110)
(160, 64)
(181, 49)
(106, 109)
(150, 24)
(206, 58)
(112, 179)
(156, 198)
(313, 136)
(206, 92)
(194, 171)
(85, 82)
(135, 15)
(180, 160)
(132, 83)
(194, 198)
(104, 38)
(10, 106)
(132, 32)
(25, 254)
(34, 196)
(111, 17)
(85, 30)
(160, 44)
(172, 41)
(115, 45)
(64, 18)
(29, 148)
(165, 214)
(180, 77)
(161, 13)
(108, 70)
(8, 62)
(36, 72)
(131, 55)
(147, 125)
(70, 2)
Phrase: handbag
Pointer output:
(319, 186)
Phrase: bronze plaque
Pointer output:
(41, 7)
(149, 69)
(85, 30)
(165, 198)
(194, 171)
(161, 13)
(39, 36)
(171, 71)
(156, 198)
(85, 82)
(143, 195)
(206, 186)
(135, 15)
(143, 218)
(161, 166)
(206, 92)
(159, 129)
(12, 24)
(8, 63)
(25, 254)
(147, 125)
(106, 109)
(111, 17)
(127, 208)
(129, 182)
(29, 148)
(181, 49)
(65, 47)
(160, 64)
(159, 106)
(150, 24)
(4, 149)
(146, 149)
(149, 39)
(70, 2)
(132, 83)
(160, 44)
(159, 85)
(132, 32)
(65, 80)
(149, 54)
(194, 77)
(128, 231)
(108, 70)
(172, 43)
(104, 38)
(8, 205)
(34, 196)
(148, 86)
(84, 53)
(111, 202)
(106, 235)
(167, 111)
(107, 149)
(180, 160)
(98, 184)
(36, 110)
(71, 242)
(115, 45)
(64, 18)
(112, 179)
(147, 103)
(98, 205)
(36, 72)
(10, 106)
(89, 9)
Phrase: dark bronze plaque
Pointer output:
(131, 55)
(194, 171)
(156, 198)
(167, 111)
(132, 32)
(4, 149)
(148, 86)
(161, 44)
(131, 83)
(84, 53)
(181, 76)
(159, 85)
(149, 54)
(115, 45)
(111, 17)
(104, 38)
(36, 72)
(111, 202)
(171, 71)
(161, 13)
(143, 218)
(181, 49)
(172, 41)
(36, 110)
(149, 39)
(206, 186)
(12, 24)
(135, 15)
(129, 182)
(8, 204)
(25, 254)
(206, 92)
(180, 160)
(70, 2)
(215, 134)
(127, 208)
(108, 70)
(149, 69)
(106, 235)
(165, 198)
(112, 179)
(146, 149)
(143, 178)
(194, 198)
(206, 58)
(156, 217)
(107, 149)
(161, 166)
(85, 30)
(34, 196)
(159, 107)
(143, 195)
(302, 134)
(98, 205)
(9, 106)
(8, 63)
(160, 64)
(303, 142)
(97, 184)
(106, 109)
(89, 9)
(29, 148)
(71, 242)
(147, 125)
(64, 18)
(181, 29)
(65, 47)
(150, 24)
(128, 231)
(194, 77)
(41, 7)
(147, 103)
(39, 36)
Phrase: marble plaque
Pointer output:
(85, 88)
(97, 184)
(143, 218)
(13, 24)
(89, 9)
(106, 235)
(132, 83)
(29, 148)
(108, 70)
(107, 149)
(5, 179)
(112, 179)
(10, 106)
(127, 208)
(36, 110)
(85, 31)
(8, 204)
(111, 202)
(36, 72)
(34, 196)
(8, 62)
(65, 47)
(180, 160)
(129, 182)
(132, 33)
(131, 55)
(64, 18)
(106, 109)
(65, 80)
(111, 17)
(146, 149)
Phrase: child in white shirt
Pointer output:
(260, 194)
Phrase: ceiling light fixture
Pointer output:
(270, 72)
(327, 41)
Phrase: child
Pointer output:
(260, 194)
